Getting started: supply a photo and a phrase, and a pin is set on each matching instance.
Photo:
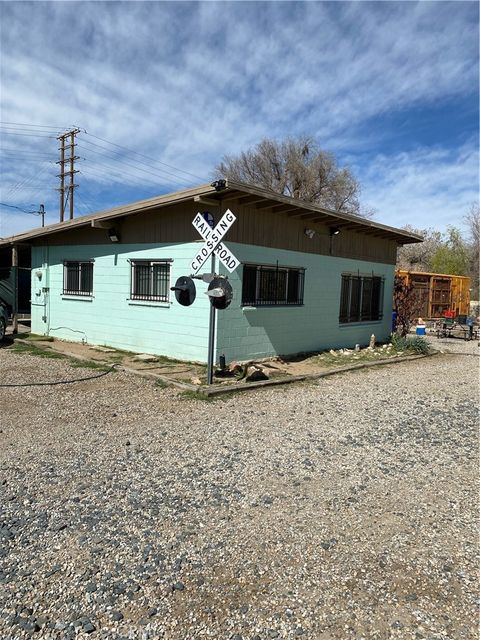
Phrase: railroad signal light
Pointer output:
(220, 292)
(185, 291)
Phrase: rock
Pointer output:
(178, 586)
(117, 615)
(256, 375)
(119, 588)
(146, 357)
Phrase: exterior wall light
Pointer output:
(334, 231)
(113, 235)
(219, 185)
(309, 233)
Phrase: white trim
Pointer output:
(148, 303)
(67, 296)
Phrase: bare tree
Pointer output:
(418, 256)
(296, 167)
(472, 220)
(407, 304)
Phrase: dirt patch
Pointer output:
(194, 375)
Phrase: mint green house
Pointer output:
(309, 278)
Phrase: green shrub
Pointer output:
(412, 344)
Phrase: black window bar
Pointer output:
(78, 278)
(270, 286)
(150, 280)
(361, 298)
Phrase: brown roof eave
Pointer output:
(110, 214)
(402, 237)
(232, 190)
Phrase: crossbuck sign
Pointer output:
(212, 244)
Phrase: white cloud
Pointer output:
(425, 188)
(187, 83)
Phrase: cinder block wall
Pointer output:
(109, 317)
(244, 333)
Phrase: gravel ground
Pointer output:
(344, 508)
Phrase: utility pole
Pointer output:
(67, 158)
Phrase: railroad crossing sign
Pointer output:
(212, 244)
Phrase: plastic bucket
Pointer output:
(420, 330)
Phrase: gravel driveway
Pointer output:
(344, 508)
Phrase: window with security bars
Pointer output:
(272, 285)
(78, 278)
(361, 298)
(150, 280)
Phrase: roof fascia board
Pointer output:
(116, 212)
(363, 222)
(239, 189)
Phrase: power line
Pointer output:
(64, 162)
(18, 129)
(143, 155)
(128, 164)
(31, 135)
(27, 124)
(120, 165)
(22, 184)
(83, 202)
(28, 154)
(24, 126)
(173, 175)
(12, 206)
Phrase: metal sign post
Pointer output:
(211, 335)
(213, 246)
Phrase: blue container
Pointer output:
(420, 331)
(394, 321)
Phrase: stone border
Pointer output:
(216, 390)
(220, 389)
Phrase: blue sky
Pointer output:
(390, 87)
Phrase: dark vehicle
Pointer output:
(3, 321)
(9, 284)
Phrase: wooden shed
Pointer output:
(440, 292)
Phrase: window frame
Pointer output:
(259, 299)
(79, 290)
(150, 296)
(358, 306)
